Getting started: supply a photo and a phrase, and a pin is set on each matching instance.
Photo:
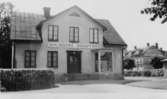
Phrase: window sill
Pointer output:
(74, 41)
(29, 67)
(52, 67)
(53, 40)
(94, 42)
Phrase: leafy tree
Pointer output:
(158, 8)
(128, 63)
(5, 24)
(5, 18)
(156, 63)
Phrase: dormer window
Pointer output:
(94, 35)
(53, 32)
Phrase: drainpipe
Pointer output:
(13, 55)
(122, 61)
(99, 61)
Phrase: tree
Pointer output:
(128, 63)
(5, 18)
(156, 63)
(5, 28)
(158, 8)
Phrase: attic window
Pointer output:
(74, 14)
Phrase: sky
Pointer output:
(135, 28)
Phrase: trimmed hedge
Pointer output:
(86, 76)
(16, 80)
(148, 73)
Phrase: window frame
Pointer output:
(93, 40)
(54, 33)
(29, 58)
(74, 38)
(52, 59)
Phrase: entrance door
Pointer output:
(74, 61)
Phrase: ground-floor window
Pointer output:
(52, 59)
(30, 58)
(105, 62)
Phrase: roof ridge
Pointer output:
(28, 13)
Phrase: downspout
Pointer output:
(13, 55)
(123, 61)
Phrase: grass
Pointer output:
(86, 82)
(161, 84)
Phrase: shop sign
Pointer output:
(71, 45)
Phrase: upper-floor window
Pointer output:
(94, 35)
(52, 59)
(74, 34)
(53, 32)
(30, 58)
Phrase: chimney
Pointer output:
(156, 45)
(148, 44)
(46, 12)
(135, 47)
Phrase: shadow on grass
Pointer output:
(56, 86)
(161, 85)
(87, 82)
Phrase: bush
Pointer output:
(158, 73)
(128, 64)
(15, 80)
(157, 63)
(148, 73)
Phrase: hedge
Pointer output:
(16, 80)
(146, 73)
(86, 76)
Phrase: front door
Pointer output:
(74, 61)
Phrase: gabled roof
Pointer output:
(147, 52)
(76, 7)
(26, 26)
(111, 36)
(23, 26)
(153, 52)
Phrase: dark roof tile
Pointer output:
(26, 26)
(111, 36)
(23, 26)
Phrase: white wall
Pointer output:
(64, 21)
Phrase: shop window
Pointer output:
(30, 58)
(53, 32)
(52, 59)
(74, 34)
(94, 35)
(106, 62)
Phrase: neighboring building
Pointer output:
(69, 42)
(144, 56)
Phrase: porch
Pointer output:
(103, 60)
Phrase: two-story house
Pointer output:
(70, 42)
(143, 56)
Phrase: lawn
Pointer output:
(157, 84)
(87, 82)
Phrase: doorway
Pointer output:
(74, 61)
